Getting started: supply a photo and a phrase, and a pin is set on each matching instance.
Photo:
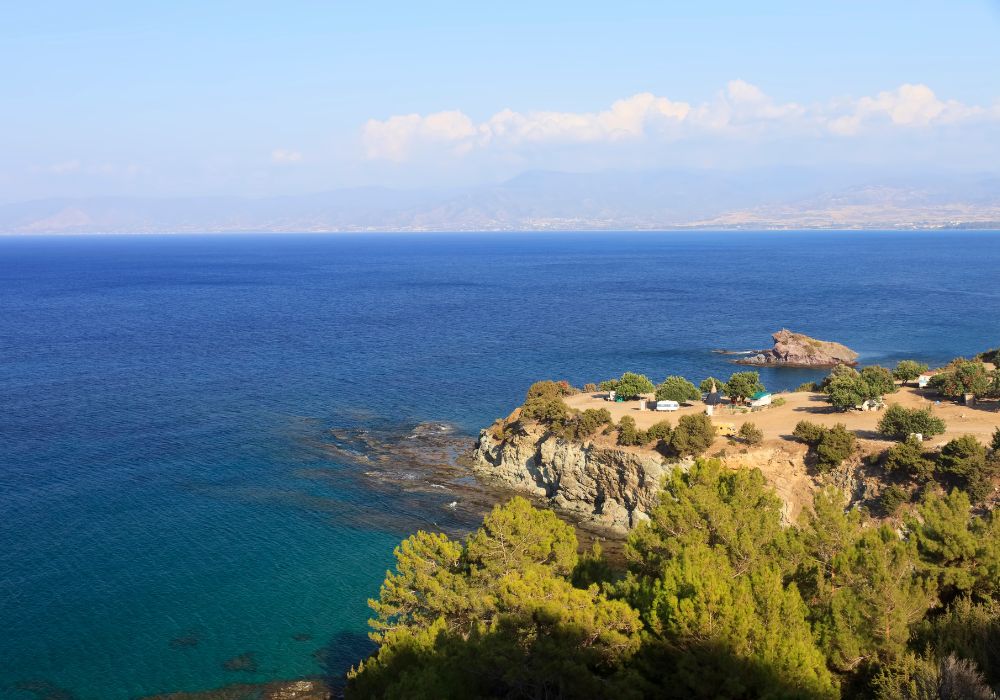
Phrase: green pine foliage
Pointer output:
(908, 458)
(892, 500)
(715, 597)
(972, 467)
(629, 434)
(750, 434)
(829, 446)
(693, 435)
(660, 431)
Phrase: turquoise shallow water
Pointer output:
(166, 501)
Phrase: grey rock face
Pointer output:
(613, 487)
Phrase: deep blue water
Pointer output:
(162, 398)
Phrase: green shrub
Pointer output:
(908, 457)
(548, 388)
(590, 421)
(779, 401)
(544, 404)
(965, 459)
(899, 422)
(692, 436)
(995, 444)
(892, 498)
(608, 385)
(590, 387)
(845, 391)
(808, 386)
(629, 434)
(660, 431)
(834, 446)
(750, 434)
(546, 410)
(962, 377)
(808, 432)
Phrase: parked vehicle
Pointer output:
(667, 406)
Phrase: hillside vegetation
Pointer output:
(714, 599)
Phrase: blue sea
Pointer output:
(168, 500)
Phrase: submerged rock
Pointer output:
(244, 662)
(798, 350)
(306, 689)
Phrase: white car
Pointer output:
(667, 405)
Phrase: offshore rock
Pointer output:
(798, 350)
(611, 487)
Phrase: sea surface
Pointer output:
(168, 501)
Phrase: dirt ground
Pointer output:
(777, 422)
(780, 457)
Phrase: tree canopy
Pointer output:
(715, 598)
(908, 370)
(847, 388)
(963, 377)
(675, 388)
(632, 386)
(899, 422)
(743, 385)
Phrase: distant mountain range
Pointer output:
(763, 199)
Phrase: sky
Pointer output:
(266, 98)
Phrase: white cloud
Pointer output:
(391, 139)
(908, 106)
(285, 157)
(740, 110)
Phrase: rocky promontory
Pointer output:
(799, 350)
(610, 487)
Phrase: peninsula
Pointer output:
(842, 542)
(604, 460)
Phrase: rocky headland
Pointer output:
(799, 350)
(610, 487)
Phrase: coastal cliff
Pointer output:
(798, 350)
(612, 487)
